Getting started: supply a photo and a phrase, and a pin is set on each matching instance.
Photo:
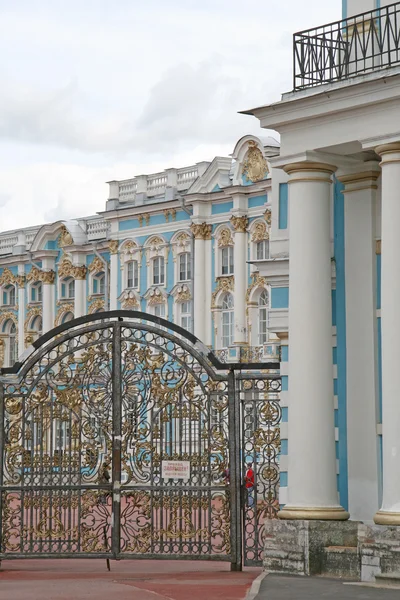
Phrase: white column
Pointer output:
(113, 275)
(361, 332)
(312, 490)
(389, 514)
(201, 232)
(79, 275)
(208, 321)
(21, 309)
(48, 292)
(240, 224)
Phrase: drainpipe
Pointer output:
(106, 277)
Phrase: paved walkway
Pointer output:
(88, 579)
(275, 587)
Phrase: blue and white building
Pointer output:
(183, 244)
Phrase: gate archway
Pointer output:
(117, 433)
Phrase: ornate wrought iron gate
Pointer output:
(123, 436)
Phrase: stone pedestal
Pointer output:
(349, 550)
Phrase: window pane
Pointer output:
(132, 279)
(12, 296)
(71, 289)
(39, 292)
(227, 261)
(102, 284)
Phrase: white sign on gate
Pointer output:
(175, 469)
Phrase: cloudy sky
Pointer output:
(94, 90)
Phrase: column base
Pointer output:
(386, 517)
(320, 513)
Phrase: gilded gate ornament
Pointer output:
(255, 167)
(60, 435)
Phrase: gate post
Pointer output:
(116, 439)
(235, 473)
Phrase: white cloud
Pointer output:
(93, 91)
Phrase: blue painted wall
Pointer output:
(280, 297)
(339, 300)
(257, 201)
(283, 205)
(224, 207)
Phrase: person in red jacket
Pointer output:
(249, 483)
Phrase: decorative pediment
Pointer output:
(224, 285)
(155, 296)
(257, 282)
(36, 274)
(7, 278)
(96, 305)
(182, 293)
(96, 265)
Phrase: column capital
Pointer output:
(390, 153)
(201, 231)
(239, 223)
(362, 178)
(309, 171)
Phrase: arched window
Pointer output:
(158, 270)
(185, 270)
(37, 325)
(227, 261)
(68, 288)
(98, 285)
(9, 295)
(10, 328)
(227, 321)
(263, 313)
(132, 274)
(36, 292)
(67, 317)
(262, 250)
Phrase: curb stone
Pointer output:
(255, 587)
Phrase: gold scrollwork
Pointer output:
(255, 167)
(7, 277)
(225, 238)
(67, 269)
(201, 231)
(239, 224)
(65, 238)
(224, 284)
(113, 246)
(260, 232)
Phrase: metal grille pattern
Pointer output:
(261, 414)
(343, 49)
(91, 418)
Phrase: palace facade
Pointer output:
(184, 244)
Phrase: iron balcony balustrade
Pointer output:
(358, 45)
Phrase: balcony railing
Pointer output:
(356, 46)
(269, 352)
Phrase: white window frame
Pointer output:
(186, 315)
(135, 274)
(68, 282)
(227, 320)
(161, 270)
(264, 244)
(100, 277)
(263, 317)
(10, 293)
(186, 268)
(36, 289)
(159, 308)
(228, 252)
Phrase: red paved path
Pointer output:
(128, 580)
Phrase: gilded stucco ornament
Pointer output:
(130, 303)
(6, 315)
(67, 269)
(142, 218)
(201, 231)
(113, 246)
(225, 238)
(170, 213)
(255, 166)
(260, 232)
(156, 297)
(96, 265)
(224, 284)
(183, 294)
(239, 224)
(65, 238)
(7, 277)
(267, 216)
(36, 311)
(257, 282)
(36, 274)
(63, 310)
(96, 305)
